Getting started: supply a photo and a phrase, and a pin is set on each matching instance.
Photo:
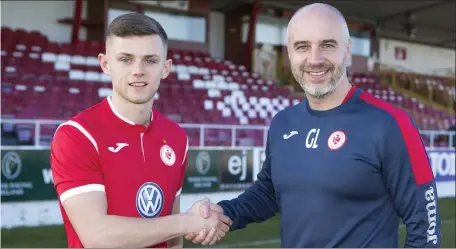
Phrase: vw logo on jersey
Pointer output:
(149, 200)
(167, 155)
(336, 140)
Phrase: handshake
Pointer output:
(208, 223)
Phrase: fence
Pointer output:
(431, 137)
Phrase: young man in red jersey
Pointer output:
(119, 166)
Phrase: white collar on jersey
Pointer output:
(120, 116)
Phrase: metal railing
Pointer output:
(201, 129)
(232, 128)
(433, 135)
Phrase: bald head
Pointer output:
(318, 48)
(319, 13)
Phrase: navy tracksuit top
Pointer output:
(344, 177)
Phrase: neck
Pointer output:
(333, 100)
(137, 113)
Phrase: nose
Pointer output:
(138, 69)
(315, 56)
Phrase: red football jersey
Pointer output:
(140, 168)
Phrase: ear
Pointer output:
(349, 48)
(288, 51)
(167, 68)
(102, 59)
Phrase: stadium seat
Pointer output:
(43, 79)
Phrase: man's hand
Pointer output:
(206, 209)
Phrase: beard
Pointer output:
(326, 89)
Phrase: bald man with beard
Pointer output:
(342, 168)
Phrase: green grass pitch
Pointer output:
(265, 234)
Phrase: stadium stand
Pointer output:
(47, 80)
(403, 52)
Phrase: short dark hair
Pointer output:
(136, 24)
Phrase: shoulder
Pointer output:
(385, 113)
(286, 115)
(92, 115)
(282, 121)
(79, 129)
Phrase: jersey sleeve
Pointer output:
(183, 168)
(258, 203)
(74, 161)
(409, 179)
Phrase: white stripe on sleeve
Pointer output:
(179, 192)
(186, 151)
(80, 190)
(82, 130)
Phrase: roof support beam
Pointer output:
(447, 42)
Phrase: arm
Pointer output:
(79, 183)
(258, 203)
(97, 229)
(179, 241)
(409, 179)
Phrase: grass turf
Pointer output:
(268, 231)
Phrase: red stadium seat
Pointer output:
(63, 79)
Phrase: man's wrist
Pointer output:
(221, 205)
(183, 223)
(227, 212)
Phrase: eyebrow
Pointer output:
(297, 43)
(145, 56)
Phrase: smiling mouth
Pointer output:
(138, 84)
(319, 73)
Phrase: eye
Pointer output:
(151, 61)
(302, 47)
(126, 60)
(327, 46)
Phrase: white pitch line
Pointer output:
(276, 241)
